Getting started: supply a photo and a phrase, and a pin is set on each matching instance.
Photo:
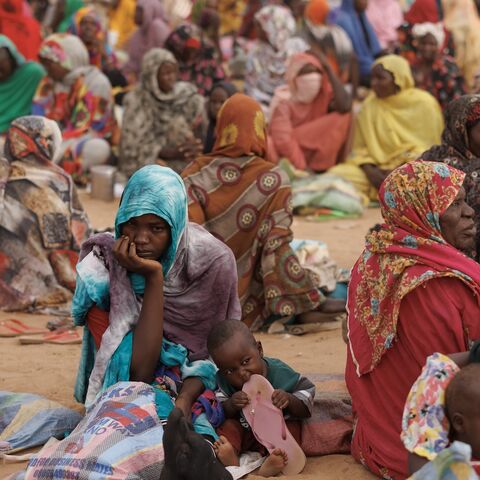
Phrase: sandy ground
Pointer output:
(50, 370)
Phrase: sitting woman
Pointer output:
(413, 292)
(87, 24)
(244, 199)
(21, 28)
(219, 94)
(198, 61)
(386, 17)
(121, 22)
(19, 80)
(460, 148)
(332, 39)
(149, 297)
(396, 124)
(462, 20)
(352, 18)
(152, 31)
(266, 62)
(79, 97)
(163, 117)
(433, 71)
(310, 122)
(42, 221)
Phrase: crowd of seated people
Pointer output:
(205, 108)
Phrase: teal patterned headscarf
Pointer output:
(159, 191)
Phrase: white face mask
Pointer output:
(308, 86)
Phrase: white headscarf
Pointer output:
(436, 29)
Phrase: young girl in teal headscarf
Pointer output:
(156, 291)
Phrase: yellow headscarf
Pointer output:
(392, 130)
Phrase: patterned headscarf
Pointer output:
(184, 36)
(241, 128)
(159, 191)
(66, 50)
(151, 62)
(33, 138)
(460, 115)
(402, 254)
(88, 12)
(278, 23)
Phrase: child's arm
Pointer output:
(298, 404)
(234, 404)
(415, 462)
(290, 404)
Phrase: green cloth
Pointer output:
(71, 7)
(17, 92)
(279, 374)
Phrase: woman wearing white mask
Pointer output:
(310, 119)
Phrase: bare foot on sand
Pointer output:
(274, 464)
(226, 453)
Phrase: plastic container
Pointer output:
(103, 182)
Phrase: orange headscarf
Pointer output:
(241, 128)
(316, 11)
(319, 106)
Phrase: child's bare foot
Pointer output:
(226, 453)
(274, 464)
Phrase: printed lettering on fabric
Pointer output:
(119, 437)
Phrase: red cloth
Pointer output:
(22, 30)
(423, 11)
(402, 254)
(97, 323)
(441, 315)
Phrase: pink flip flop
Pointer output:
(15, 328)
(268, 425)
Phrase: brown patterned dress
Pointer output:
(245, 201)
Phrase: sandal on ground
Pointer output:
(66, 337)
(303, 328)
(15, 328)
(268, 425)
(60, 323)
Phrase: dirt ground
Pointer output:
(50, 370)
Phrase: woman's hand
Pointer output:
(191, 389)
(191, 149)
(317, 51)
(375, 175)
(125, 253)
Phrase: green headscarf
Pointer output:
(71, 7)
(16, 93)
